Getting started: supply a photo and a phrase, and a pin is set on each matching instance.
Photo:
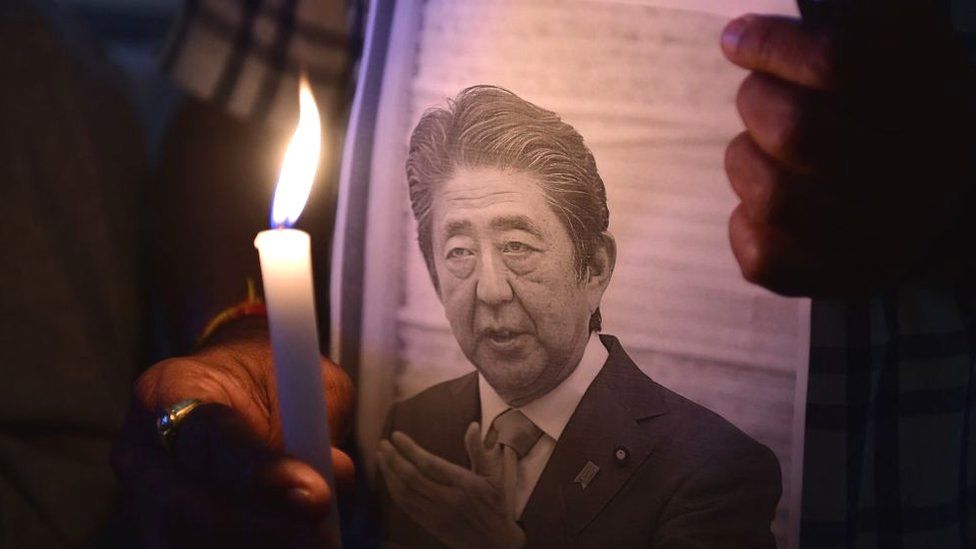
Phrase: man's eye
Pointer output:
(457, 253)
(515, 247)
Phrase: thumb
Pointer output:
(783, 47)
(477, 454)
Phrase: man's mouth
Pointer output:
(503, 339)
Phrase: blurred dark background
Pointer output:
(132, 34)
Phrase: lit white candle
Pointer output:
(286, 268)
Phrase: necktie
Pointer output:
(512, 429)
(514, 434)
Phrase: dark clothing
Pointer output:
(70, 294)
(686, 477)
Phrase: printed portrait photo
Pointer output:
(513, 224)
(552, 343)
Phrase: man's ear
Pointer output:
(600, 269)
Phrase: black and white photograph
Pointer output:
(554, 344)
(513, 224)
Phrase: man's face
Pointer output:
(508, 281)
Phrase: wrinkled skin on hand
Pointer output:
(855, 171)
(460, 507)
(226, 481)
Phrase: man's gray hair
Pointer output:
(491, 127)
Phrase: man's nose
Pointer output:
(493, 287)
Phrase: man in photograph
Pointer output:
(558, 439)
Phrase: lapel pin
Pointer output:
(621, 455)
(586, 474)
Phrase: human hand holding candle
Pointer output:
(227, 480)
(241, 471)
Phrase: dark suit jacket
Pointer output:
(671, 473)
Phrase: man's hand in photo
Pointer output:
(462, 508)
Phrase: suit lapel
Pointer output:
(603, 444)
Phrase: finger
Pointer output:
(468, 492)
(785, 48)
(785, 121)
(805, 131)
(768, 256)
(193, 517)
(344, 471)
(396, 481)
(509, 477)
(287, 478)
(476, 450)
(411, 475)
(436, 468)
(815, 265)
(770, 194)
(213, 376)
(413, 504)
(340, 399)
(752, 178)
(169, 507)
(215, 445)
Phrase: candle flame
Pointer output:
(301, 161)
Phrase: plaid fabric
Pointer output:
(890, 448)
(247, 54)
(890, 454)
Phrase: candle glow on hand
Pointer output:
(300, 164)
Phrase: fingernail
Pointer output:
(733, 32)
(396, 440)
(300, 498)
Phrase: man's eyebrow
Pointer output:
(456, 227)
(517, 222)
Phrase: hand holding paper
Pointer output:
(851, 173)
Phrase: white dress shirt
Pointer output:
(550, 412)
